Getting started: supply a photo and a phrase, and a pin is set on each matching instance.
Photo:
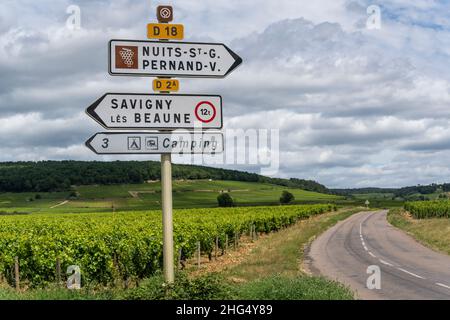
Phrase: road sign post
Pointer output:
(164, 111)
(166, 199)
(164, 14)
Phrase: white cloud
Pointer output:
(355, 107)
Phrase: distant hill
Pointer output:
(48, 176)
(350, 191)
(397, 192)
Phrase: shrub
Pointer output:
(299, 288)
(207, 287)
(38, 197)
(73, 195)
(225, 200)
(286, 197)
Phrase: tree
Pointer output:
(286, 197)
(73, 195)
(225, 200)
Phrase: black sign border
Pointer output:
(89, 146)
(90, 111)
(237, 61)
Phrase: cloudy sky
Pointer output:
(355, 106)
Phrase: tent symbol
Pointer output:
(134, 143)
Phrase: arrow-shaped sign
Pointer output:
(171, 59)
(157, 111)
(156, 143)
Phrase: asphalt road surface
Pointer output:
(408, 270)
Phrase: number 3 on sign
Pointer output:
(168, 85)
(105, 143)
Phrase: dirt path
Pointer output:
(60, 204)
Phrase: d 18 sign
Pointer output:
(165, 31)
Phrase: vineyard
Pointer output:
(111, 246)
(429, 209)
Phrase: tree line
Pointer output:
(52, 176)
(397, 192)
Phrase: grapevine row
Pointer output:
(429, 209)
(110, 246)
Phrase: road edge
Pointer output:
(307, 264)
(412, 236)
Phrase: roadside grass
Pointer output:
(433, 232)
(278, 287)
(56, 293)
(273, 270)
(282, 252)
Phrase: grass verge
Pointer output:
(433, 233)
(273, 270)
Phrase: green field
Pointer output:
(137, 197)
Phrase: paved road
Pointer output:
(408, 269)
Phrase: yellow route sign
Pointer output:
(165, 31)
(169, 85)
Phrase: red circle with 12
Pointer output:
(210, 105)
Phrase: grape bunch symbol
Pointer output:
(127, 56)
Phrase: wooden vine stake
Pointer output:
(17, 273)
(216, 253)
(58, 271)
(198, 254)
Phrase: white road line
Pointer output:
(410, 273)
(365, 248)
(386, 263)
(372, 254)
(443, 285)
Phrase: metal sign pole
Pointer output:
(166, 196)
(165, 15)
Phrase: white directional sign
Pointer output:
(174, 59)
(156, 143)
(157, 111)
